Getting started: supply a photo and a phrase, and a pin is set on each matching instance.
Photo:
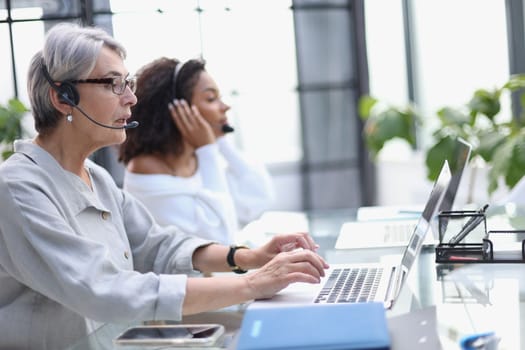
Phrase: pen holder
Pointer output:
(504, 246)
(461, 235)
(465, 226)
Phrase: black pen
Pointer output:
(469, 226)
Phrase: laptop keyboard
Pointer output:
(350, 285)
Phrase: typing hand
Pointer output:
(286, 268)
(286, 243)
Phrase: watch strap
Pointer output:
(230, 258)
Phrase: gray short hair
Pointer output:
(70, 52)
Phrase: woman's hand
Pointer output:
(193, 127)
(259, 256)
(204, 294)
(289, 242)
(301, 265)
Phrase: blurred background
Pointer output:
(294, 72)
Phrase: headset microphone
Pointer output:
(226, 128)
(131, 125)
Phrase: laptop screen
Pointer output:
(457, 163)
(438, 193)
(416, 240)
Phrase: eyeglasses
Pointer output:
(118, 84)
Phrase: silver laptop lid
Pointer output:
(457, 164)
(418, 236)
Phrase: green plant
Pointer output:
(384, 122)
(498, 140)
(11, 128)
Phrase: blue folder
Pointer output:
(314, 327)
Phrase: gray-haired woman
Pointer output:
(74, 248)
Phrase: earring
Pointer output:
(69, 118)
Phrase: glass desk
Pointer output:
(465, 299)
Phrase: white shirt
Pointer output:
(70, 255)
(226, 190)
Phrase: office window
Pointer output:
(6, 68)
(250, 46)
(457, 47)
(385, 43)
(255, 67)
(458, 52)
(3, 11)
(169, 31)
(24, 10)
(28, 38)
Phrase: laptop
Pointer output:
(378, 282)
(396, 231)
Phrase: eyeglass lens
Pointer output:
(120, 83)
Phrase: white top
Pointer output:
(226, 190)
(70, 256)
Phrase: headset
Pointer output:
(225, 128)
(68, 94)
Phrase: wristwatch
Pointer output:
(230, 258)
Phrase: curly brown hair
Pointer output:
(156, 87)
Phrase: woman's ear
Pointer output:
(62, 106)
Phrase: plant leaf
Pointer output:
(389, 124)
(515, 82)
(366, 103)
(11, 129)
(451, 116)
(6, 154)
(501, 161)
(443, 149)
(489, 141)
(516, 169)
(485, 102)
(16, 106)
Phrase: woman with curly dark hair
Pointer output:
(179, 162)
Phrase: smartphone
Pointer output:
(173, 335)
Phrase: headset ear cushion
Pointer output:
(68, 94)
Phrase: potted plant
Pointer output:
(499, 141)
(11, 128)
